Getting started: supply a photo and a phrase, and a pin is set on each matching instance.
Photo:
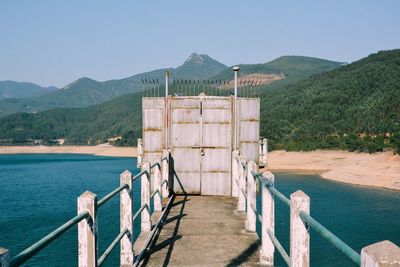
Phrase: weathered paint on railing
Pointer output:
(86, 219)
(300, 221)
(42, 243)
(328, 235)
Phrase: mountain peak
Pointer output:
(200, 66)
(195, 58)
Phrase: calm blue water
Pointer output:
(38, 193)
(358, 215)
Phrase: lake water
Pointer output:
(38, 193)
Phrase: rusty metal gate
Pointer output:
(201, 142)
(199, 131)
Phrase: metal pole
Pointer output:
(166, 83)
(236, 70)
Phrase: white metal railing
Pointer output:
(246, 178)
(86, 218)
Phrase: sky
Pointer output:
(56, 42)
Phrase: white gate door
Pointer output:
(216, 141)
(201, 139)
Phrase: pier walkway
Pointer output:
(203, 231)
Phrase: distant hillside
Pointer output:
(290, 68)
(85, 92)
(87, 126)
(355, 107)
(12, 89)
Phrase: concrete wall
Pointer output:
(249, 128)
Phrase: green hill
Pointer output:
(356, 106)
(86, 92)
(87, 126)
(292, 68)
(12, 89)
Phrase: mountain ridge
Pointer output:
(333, 109)
(86, 91)
(14, 89)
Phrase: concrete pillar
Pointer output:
(242, 186)
(87, 231)
(235, 173)
(299, 234)
(145, 197)
(164, 173)
(268, 222)
(139, 153)
(157, 187)
(4, 257)
(251, 197)
(380, 254)
(127, 254)
(265, 151)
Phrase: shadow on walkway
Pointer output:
(170, 242)
(245, 255)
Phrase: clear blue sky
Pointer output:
(53, 42)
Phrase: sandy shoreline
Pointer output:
(100, 150)
(379, 169)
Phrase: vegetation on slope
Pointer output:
(355, 107)
(86, 126)
(293, 69)
(86, 92)
(11, 89)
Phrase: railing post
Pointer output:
(268, 221)
(242, 186)
(251, 197)
(4, 257)
(299, 233)
(126, 210)
(235, 173)
(380, 254)
(139, 153)
(87, 231)
(145, 197)
(260, 151)
(265, 151)
(164, 173)
(157, 186)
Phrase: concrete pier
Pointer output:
(203, 231)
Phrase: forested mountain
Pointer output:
(85, 92)
(12, 89)
(87, 126)
(356, 106)
(291, 68)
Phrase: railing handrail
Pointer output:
(330, 237)
(107, 252)
(35, 248)
(32, 250)
(307, 220)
